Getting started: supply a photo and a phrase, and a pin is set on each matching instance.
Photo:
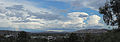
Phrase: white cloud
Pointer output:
(4, 23)
(75, 15)
(18, 15)
(94, 19)
(77, 20)
(94, 22)
(56, 30)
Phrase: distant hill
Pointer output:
(81, 31)
(53, 32)
(8, 32)
(3, 32)
(91, 31)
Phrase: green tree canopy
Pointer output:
(22, 37)
(111, 13)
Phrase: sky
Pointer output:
(50, 15)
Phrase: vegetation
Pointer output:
(110, 36)
(111, 16)
(111, 13)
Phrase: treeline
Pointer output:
(110, 36)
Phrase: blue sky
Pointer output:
(51, 15)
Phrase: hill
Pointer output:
(91, 31)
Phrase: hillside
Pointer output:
(91, 31)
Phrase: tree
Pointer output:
(87, 38)
(22, 37)
(73, 37)
(111, 13)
